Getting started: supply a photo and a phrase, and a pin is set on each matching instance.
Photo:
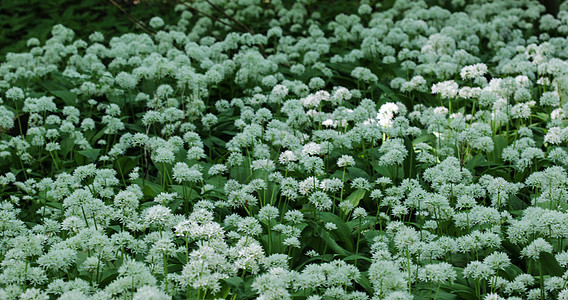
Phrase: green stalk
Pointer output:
(437, 290)
(166, 271)
(409, 272)
(541, 280)
(358, 239)
(269, 237)
(341, 195)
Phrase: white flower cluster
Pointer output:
(283, 152)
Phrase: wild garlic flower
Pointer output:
(438, 273)
(556, 135)
(364, 74)
(287, 157)
(294, 216)
(361, 183)
(386, 114)
(311, 148)
(331, 185)
(267, 213)
(15, 94)
(478, 270)
(345, 161)
(149, 292)
(497, 260)
(386, 278)
(446, 89)
(320, 200)
(393, 152)
(274, 284)
(473, 71)
(535, 248)
(263, 164)
(158, 215)
(183, 173)
(359, 213)
(308, 184)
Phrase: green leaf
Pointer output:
(116, 228)
(478, 161)
(354, 257)
(365, 283)
(356, 173)
(108, 275)
(91, 154)
(562, 90)
(67, 145)
(550, 264)
(553, 204)
(499, 142)
(516, 203)
(355, 197)
(96, 136)
(463, 291)
(149, 188)
(67, 97)
(315, 229)
(237, 284)
(343, 232)
(116, 99)
(325, 236)
(126, 163)
(511, 272)
(55, 205)
(382, 170)
(59, 91)
(423, 138)
(323, 258)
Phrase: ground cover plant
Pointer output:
(24, 19)
(291, 150)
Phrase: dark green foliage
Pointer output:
(24, 19)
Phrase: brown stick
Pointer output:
(230, 17)
(209, 16)
(238, 22)
(132, 19)
(247, 29)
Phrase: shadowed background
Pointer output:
(24, 19)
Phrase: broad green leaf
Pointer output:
(356, 173)
(511, 272)
(382, 170)
(554, 205)
(463, 291)
(237, 284)
(477, 161)
(516, 203)
(499, 142)
(55, 205)
(67, 97)
(149, 188)
(319, 258)
(354, 257)
(363, 280)
(562, 92)
(116, 228)
(91, 154)
(67, 145)
(326, 237)
(59, 91)
(342, 231)
(355, 197)
(550, 265)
